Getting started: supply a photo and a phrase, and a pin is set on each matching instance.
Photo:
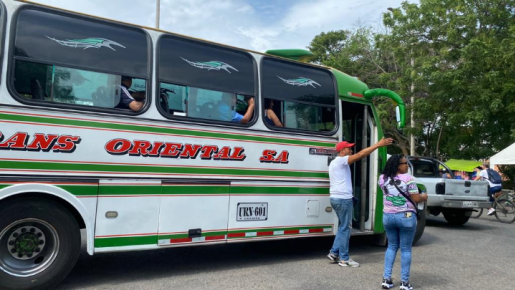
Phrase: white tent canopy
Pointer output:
(504, 157)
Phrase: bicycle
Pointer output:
(504, 206)
(505, 203)
(476, 213)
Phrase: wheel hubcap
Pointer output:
(28, 247)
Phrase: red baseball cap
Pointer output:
(343, 144)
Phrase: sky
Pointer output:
(257, 25)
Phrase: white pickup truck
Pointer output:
(454, 198)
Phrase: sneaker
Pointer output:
(406, 286)
(387, 284)
(491, 211)
(349, 263)
(333, 257)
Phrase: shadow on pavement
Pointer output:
(470, 225)
(115, 268)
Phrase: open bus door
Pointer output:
(358, 127)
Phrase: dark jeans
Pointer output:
(492, 191)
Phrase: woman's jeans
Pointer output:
(343, 209)
(400, 231)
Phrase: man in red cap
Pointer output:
(341, 197)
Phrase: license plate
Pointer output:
(247, 211)
(469, 204)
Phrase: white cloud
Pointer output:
(243, 23)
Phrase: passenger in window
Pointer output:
(269, 114)
(227, 112)
(133, 101)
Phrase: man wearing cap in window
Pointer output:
(341, 197)
(126, 98)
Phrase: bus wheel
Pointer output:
(39, 243)
(421, 226)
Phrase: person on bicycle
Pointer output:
(494, 188)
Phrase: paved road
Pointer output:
(479, 255)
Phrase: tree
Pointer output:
(462, 71)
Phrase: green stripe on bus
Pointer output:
(153, 169)
(79, 190)
(171, 131)
(180, 189)
(279, 190)
(107, 189)
(125, 241)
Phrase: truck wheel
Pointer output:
(457, 218)
(421, 226)
(39, 243)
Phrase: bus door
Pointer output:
(358, 127)
(193, 212)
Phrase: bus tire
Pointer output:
(39, 243)
(456, 217)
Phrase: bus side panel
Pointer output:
(274, 210)
(127, 214)
(193, 213)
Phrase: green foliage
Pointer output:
(457, 54)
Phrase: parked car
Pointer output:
(455, 199)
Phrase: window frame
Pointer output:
(11, 65)
(3, 24)
(292, 130)
(158, 81)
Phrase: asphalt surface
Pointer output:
(478, 255)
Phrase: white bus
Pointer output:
(181, 168)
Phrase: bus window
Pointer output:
(304, 98)
(66, 85)
(203, 81)
(2, 24)
(67, 60)
(197, 103)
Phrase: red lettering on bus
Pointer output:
(223, 153)
(282, 158)
(171, 150)
(140, 148)
(66, 143)
(190, 151)
(268, 156)
(118, 146)
(42, 142)
(17, 141)
(238, 154)
(208, 151)
(155, 149)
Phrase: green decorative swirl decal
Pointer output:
(211, 65)
(92, 42)
(300, 82)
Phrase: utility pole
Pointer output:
(158, 8)
(412, 136)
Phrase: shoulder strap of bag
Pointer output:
(405, 195)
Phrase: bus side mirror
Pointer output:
(398, 117)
